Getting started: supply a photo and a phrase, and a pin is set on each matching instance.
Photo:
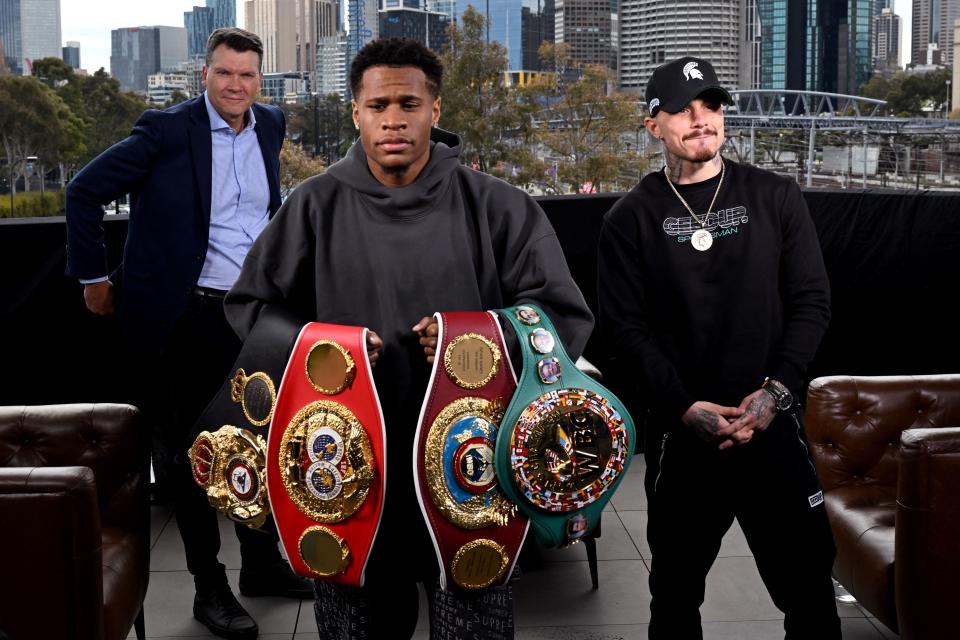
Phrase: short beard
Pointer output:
(675, 162)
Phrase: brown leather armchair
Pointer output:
(887, 450)
(74, 521)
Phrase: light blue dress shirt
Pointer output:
(239, 199)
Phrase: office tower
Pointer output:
(29, 30)
(772, 44)
(199, 26)
(887, 29)
(537, 26)
(427, 27)
(932, 23)
(137, 52)
(224, 13)
(838, 45)
(519, 25)
(40, 31)
(585, 26)
(653, 32)
(71, 54)
(331, 71)
(363, 25)
(202, 21)
(10, 35)
(290, 30)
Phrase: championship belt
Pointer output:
(326, 463)
(228, 455)
(476, 531)
(566, 440)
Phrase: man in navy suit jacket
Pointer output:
(203, 178)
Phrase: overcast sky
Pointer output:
(90, 23)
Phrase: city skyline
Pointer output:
(83, 21)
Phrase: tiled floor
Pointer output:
(553, 596)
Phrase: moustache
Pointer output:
(701, 132)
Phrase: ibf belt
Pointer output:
(228, 455)
(566, 440)
(326, 467)
(476, 530)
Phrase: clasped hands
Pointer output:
(731, 426)
(427, 328)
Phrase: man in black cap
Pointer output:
(712, 284)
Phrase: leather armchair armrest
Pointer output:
(50, 552)
(927, 564)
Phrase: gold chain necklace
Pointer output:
(701, 238)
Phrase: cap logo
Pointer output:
(654, 104)
(690, 71)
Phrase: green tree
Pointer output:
(52, 71)
(910, 94)
(175, 98)
(586, 132)
(477, 103)
(107, 114)
(323, 126)
(35, 122)
(296, 165)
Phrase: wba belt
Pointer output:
(228, 456)
(565, 441)
(326, 464)
(476, 531)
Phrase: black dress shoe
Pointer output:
(276, 579)
(219, 610)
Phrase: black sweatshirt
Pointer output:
(346, 249)
(712, 325)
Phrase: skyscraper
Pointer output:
(10, 35)
(138, 52)
(30, 30)
(838, 45)
(585, 26)
(290, 30)
(427, 27)
(199, 26)
(71, 54)
(363, 25)
(933, 24)
(519, 25)
(202, 21)
(887, 28)
(331, 71)
(537, 25)
(772, 44)
(655, 31)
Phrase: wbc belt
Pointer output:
(228, 456)
(566, 440)
(326, 468)
(476, 531)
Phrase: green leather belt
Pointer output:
(565, 440)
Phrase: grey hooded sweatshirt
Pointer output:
(346, 249)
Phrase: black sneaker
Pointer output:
(219, 610)
(276, 579)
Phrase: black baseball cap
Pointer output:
(674, 84)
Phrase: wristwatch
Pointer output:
(781, 395)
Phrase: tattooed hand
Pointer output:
(711, 422)
(758, 411)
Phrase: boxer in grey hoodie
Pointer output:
(394, 232)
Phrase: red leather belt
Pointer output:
(476, 531)
(326, 468)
